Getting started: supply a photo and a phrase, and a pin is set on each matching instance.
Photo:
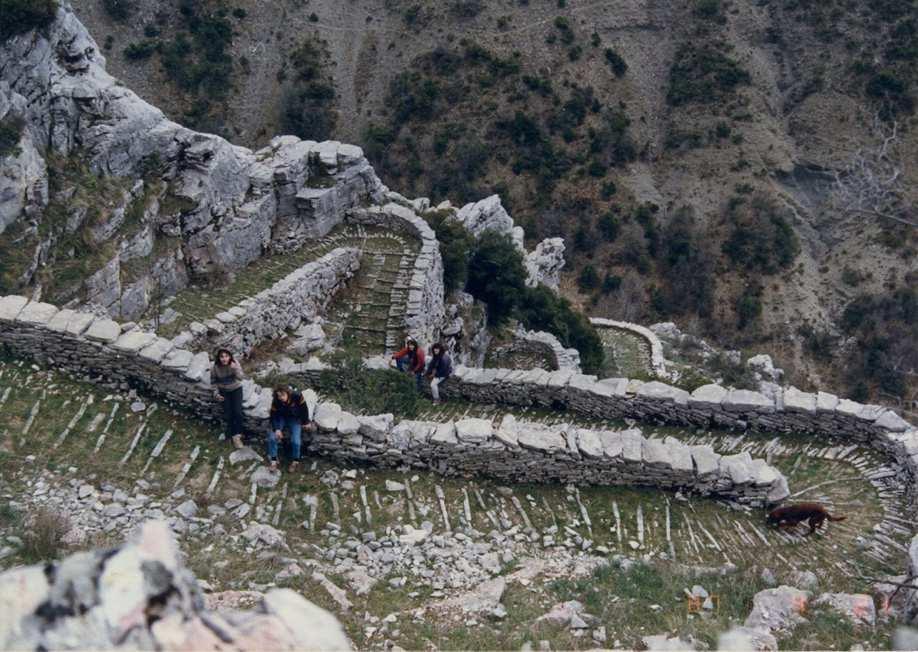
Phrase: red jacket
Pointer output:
(418, 366)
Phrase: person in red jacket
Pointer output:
(411, 360)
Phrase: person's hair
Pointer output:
(282, 388)
(436, 346)
(227, 352)
(411, 341)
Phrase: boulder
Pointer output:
(779, 609)
(857, 607)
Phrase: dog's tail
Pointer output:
(835, 518)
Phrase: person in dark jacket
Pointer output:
(288, 412)
(411, 359)
(439, 369)
(226, 379)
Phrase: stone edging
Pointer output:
(298, 297)
(708, 406)
(84, 344)
(564, 359)
(657, 361)
(426, 308)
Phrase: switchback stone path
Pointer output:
(192, 462)
(627, 354)
(397, 253)
(372, 310)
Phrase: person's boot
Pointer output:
(237, 441)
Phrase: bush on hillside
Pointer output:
(761, 239)
(456, 243)
(544, 310)
(496, 275)
(616, 62)
(120, 10)
(10, 134)
(703, 74)
(19, 16)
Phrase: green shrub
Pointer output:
(542, 309)
(466, 8)
(608, 190)
(239, 13)
(371, 391)
(10, 134)
(120, 10)
(892, 92)
(703, 74)
(496, 275)
(140, 51)
(748, 307)
(456, 243)
(611, 283)
(616, 62)
(609, 226)
(413, 96)
(24, 15)
(588, 278)
(761, 239)
(709, 9)
(688, 269)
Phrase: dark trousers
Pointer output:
(232, 411)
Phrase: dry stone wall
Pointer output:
(100, 348)
(297, 298)
(657, 361)
(426, 308)
(790, 410)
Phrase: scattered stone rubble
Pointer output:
(140, 596)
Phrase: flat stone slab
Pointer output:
(473, 431)
(741, 400)
(892, 422)
(708, 395)
(738, 468)
(542, 440)
(658, 391)
(826, 402)
(244, 454)
(37, 312)
(707, 462)
(59, 322)
(778, 609)
(797, 401)
(199, 367)
(327, 416)
(178, 360)
(11, 306)
(80, 322)
(134, 341)
(265, 477)
(444, 435)
(348, 424)
(158, 350)
(104, 330)
(589, 444)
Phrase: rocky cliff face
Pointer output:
(196, 204)
(141, 596)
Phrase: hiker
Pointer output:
(226, 378)
(411, 359)
(439, 369)
(288, 412)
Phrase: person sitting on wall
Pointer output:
(288, 412)
(439, 369)
(411, 360)
(226, 379)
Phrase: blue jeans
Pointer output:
(402, 365)
(292, 426)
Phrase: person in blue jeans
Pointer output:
(288, 413)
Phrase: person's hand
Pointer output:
(218, 396)
(279, 434)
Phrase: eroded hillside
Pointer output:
(686, 151)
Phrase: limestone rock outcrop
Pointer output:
(217, 206)
(544, 263)
(141, 596)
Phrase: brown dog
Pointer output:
(792, 515)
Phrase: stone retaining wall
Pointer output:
(657, 361)
(565, 359)
(426, 307)
(87, 345)
(708, 406)
(299, 297)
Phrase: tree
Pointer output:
(872, 183)
(497, 275)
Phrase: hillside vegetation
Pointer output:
(687, 151)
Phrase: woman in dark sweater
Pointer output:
(226, 378)
(288, 412)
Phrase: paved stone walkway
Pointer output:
(627, 354)
(154, 447)
(377, 294)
